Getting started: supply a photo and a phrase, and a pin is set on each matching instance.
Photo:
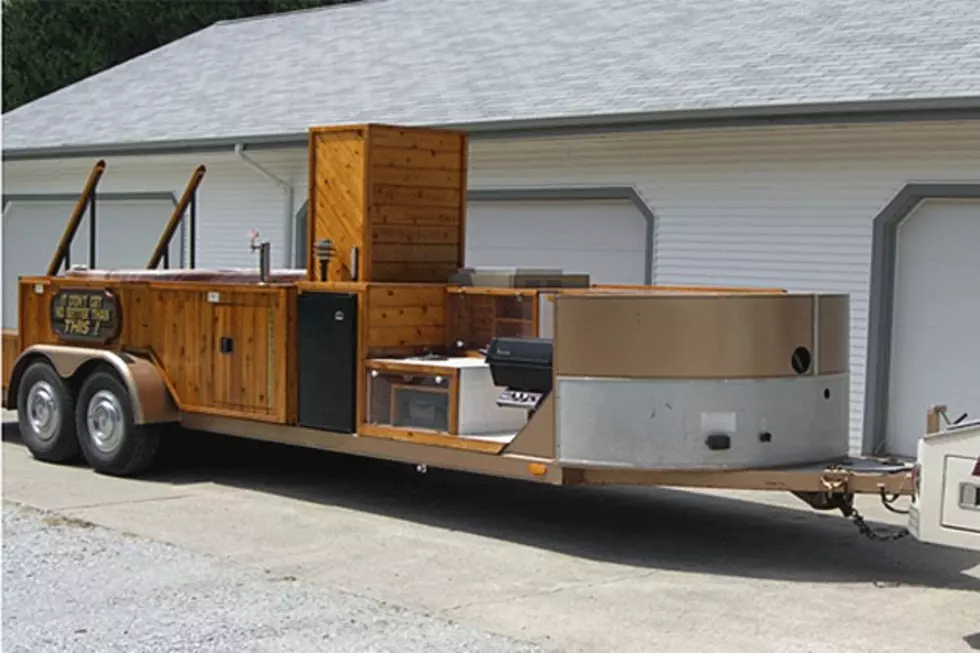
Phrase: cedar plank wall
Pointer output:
(399, 194)
(181, 328)
(336, 204)
(417, 189)
(405, 319)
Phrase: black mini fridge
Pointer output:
(327, 360)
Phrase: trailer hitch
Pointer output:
(845, 503)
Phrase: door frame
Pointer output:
(881, 307)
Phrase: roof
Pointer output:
(508, 63)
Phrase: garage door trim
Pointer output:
(627, 193)
(150, 196)
(882, 299)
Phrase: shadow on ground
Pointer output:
(653, 528)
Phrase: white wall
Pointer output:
(789, 207)
(232, 198)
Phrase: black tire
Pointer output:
(113, 444)
(46, 415)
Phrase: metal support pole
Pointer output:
(193, 230)
(91, 233)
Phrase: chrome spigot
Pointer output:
(264, 255)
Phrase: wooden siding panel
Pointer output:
(414, 157)
(372, 177)
(412, 177)
(418, 182)
(181, 328)
(421, 272)
(337, 202)
(415, 253)
(405, 319)
(420, 234)
(416, 138)
(416, 196)
(415, 215)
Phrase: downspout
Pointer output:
(290, 253)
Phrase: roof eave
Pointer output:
(944, 109)
(960, 108)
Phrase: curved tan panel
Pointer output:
(151, 399)
(697, 336)
(834, 329)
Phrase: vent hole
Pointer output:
(801, 360)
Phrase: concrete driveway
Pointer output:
(568, 569)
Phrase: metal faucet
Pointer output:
(264, 255)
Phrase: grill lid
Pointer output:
(521, 352)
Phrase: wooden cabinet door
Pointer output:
(242, 357)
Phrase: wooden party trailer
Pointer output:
(387, 345)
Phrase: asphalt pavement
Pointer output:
(245, 546)
(69, 585)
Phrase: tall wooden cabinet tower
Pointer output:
(391, 199)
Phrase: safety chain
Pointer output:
(852, 513)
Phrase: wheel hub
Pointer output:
(104, 419)
(43, 411)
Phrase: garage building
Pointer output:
(831, 146)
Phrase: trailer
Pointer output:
(945, 507)
(387, 345)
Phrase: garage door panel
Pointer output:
(126, 232)
(606, 239)
(543, 224)
(934, 357)
(570, 261)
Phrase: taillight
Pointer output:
(976, 468)
(917, 479)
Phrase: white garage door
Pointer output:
(935, 357)
(606, 239)
(126, 232)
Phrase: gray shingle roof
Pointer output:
(475, 61)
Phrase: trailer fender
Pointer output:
(151, 399)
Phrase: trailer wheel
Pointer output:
(45, 415)
(110, 441)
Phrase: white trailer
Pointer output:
(945, 508)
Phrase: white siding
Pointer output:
(126, 234)
(232, 199)
(789, 207)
